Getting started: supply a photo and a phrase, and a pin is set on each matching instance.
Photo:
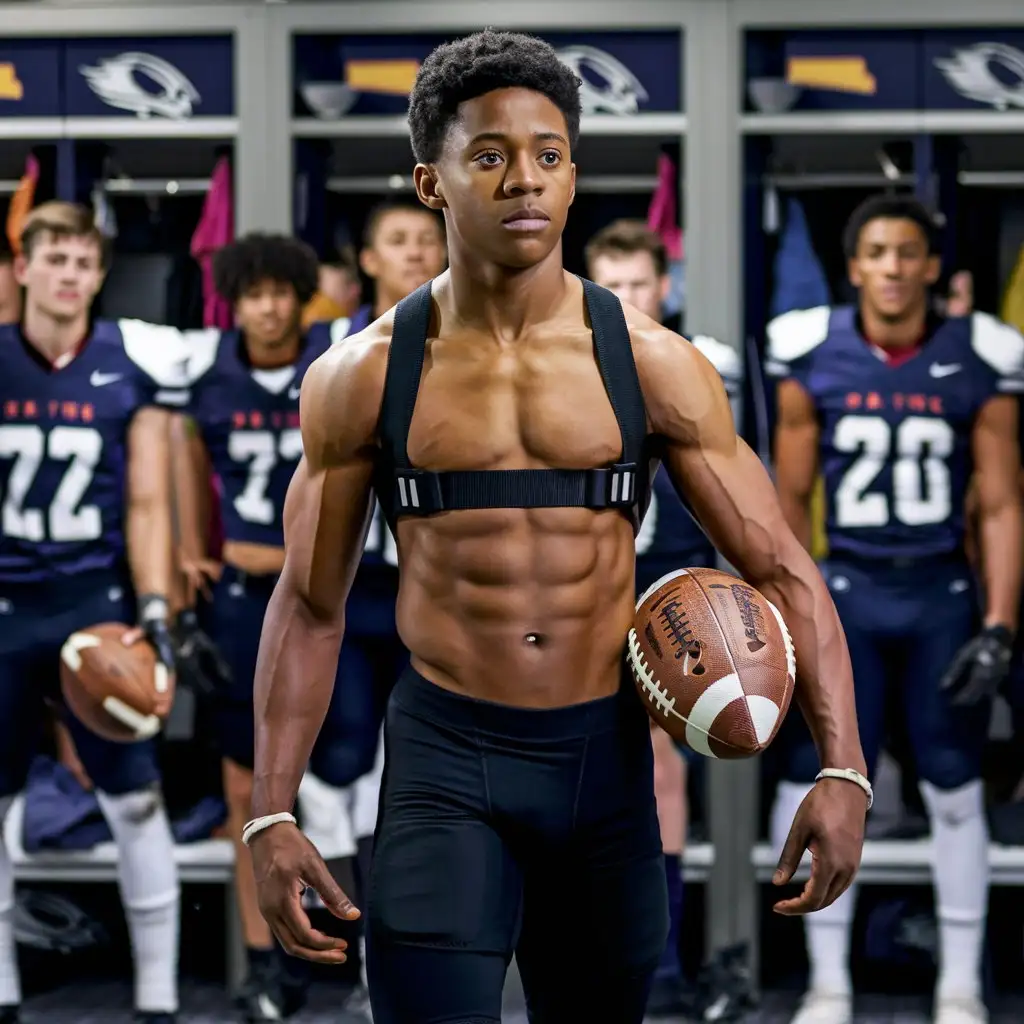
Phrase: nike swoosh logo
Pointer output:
(293, 392)
(940, 370)
(99, 380)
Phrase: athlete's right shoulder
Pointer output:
(793, 336)
(342, 391)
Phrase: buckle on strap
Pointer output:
(418, 492)
(613, 486)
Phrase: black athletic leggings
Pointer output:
(511, 830)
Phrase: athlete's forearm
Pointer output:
(1001, 532)
(295, 673)
(150, 545)
(189, 505)
(797, 510)
(824, 679)
(149, 534)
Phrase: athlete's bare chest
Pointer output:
(538, 402)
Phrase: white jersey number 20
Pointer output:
(921, 486)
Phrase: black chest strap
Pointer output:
(404, 490)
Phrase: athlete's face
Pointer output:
(61, 275)
(505, 178)
(892, 267)
(407, 249)
(268, 313)
(341, 286)
(633, 278)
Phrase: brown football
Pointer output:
(111, 688)
(713, 661)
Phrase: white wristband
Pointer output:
(848, 775)
(257, 825)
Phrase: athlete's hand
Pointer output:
(152, 628)
(285, 863)
(829, 823)
(980, 667)
(199, 573)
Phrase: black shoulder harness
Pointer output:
(405, 491)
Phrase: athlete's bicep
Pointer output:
(725, 483)
(149, 457)
(329, 502)
(997, 453)
(326, 516)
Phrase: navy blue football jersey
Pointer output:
(248, 419)
(895, 440)
(669, 536)
(64, 445)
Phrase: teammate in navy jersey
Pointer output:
(630, 260)
(85, 538)
(899, 410)
(244, 403)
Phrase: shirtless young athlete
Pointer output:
(517, 812)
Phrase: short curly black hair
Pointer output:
(257, 257)
(477, 64)
(891, 207)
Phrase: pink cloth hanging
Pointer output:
(216, 228)
(661, 214)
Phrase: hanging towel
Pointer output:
(663, 220)
(800, 282)
(21, 203)
(1012, 311)
(661, 214)
(216, 228)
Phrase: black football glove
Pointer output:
(200, 662)
(980, 667)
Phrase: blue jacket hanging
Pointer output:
(800, 282)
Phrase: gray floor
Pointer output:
(109, 1004)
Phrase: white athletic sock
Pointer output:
(10, 984)
(366, 795)
(827, 931)
(148, 879)
(961, 873)
(326, 819)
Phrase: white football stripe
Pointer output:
(708, 707)
(144, 726)
(161, 677)
(787, 640)
(70, 653)
(764, 713)
(657, 584)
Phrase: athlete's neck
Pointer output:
(906, 332)
(52, 338)
(383, 300)
(272, 357)
(504, 301)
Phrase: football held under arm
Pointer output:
(326, 516)
(733, 498)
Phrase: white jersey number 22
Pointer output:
(65, 520)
